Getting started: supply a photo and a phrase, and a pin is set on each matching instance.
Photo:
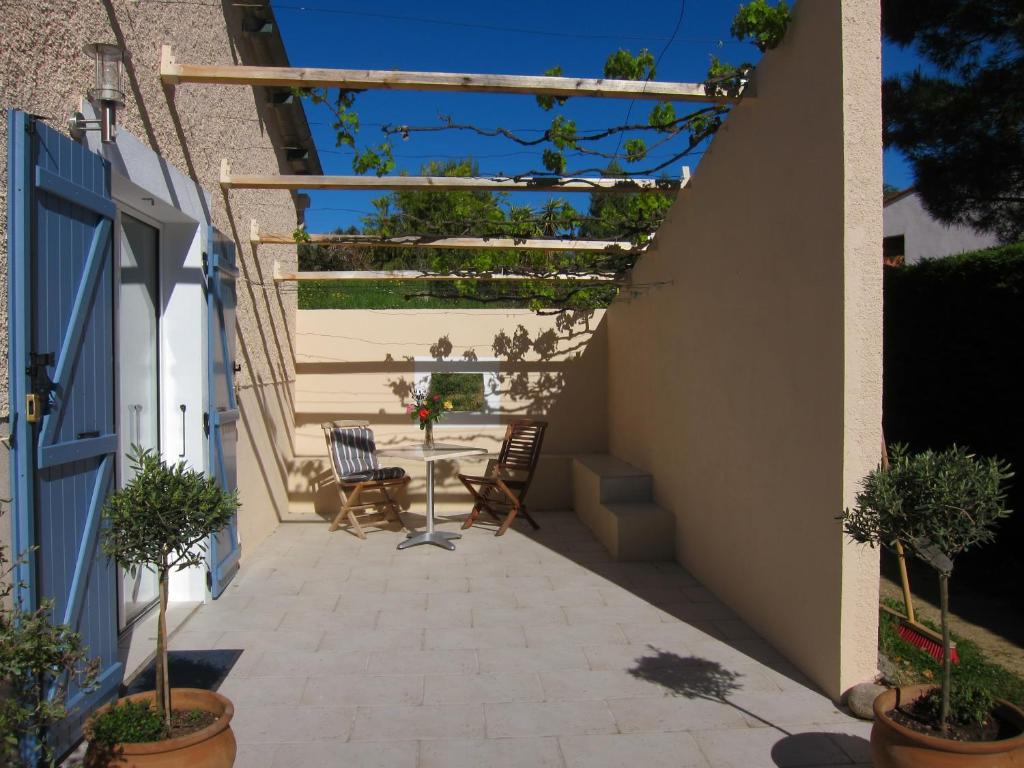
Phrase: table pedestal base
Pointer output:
(437, 538)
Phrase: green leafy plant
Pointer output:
(938, 504)
(162, 519)
(128, 722)
(36, 655)
(761, 24)
(968, 704)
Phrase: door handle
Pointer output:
(138, 423)
(183, 408)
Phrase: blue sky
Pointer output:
(520, 37)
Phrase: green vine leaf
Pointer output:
(562, 133)
(622, 65)
(761, 24)
(663, 116)
(379, 160)
(548, 102)
(636, 149)
(554, 161)
(726, 79)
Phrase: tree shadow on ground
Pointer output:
(693, 677)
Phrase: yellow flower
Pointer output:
(447, 405)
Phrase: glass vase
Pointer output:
(428, 434)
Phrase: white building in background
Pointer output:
(912, 233)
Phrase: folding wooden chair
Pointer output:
(501, 491)
(356, 471)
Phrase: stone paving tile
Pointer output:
(358, 655)
(503, 583)
(793, 709)
(558, 597)
(363, 690)
(633, 750)
(531, 659)
(566, 718)
(582, 685)
(491, 753)
(769, 748)
(491, 688)
(434, 662)
(385, 638)
(242, 618)
(638, 613)
(335, 622)
(518, 617)
(301, 664)
(281, 639)
(428, 586)
(474, 637)
(189, 640)
(429, 721)
(256, 756)
(471, 600)
(261, 691)
(278, 724)
(353, 754)
(627, 657)
(674, 713)
(574, 634)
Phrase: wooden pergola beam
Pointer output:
(229, 180)
(410, 274)
(427, 241)
(173, 73)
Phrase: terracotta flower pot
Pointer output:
(211, 747)
(894, 746)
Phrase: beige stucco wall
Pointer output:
(43, 71)
(355, 364)
(749, 383)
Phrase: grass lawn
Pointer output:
(916, 666)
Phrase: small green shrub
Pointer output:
(128, 722)
(39, 660)
(968, 704)
(938, 504)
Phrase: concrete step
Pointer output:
(617, 480)
(613, 499)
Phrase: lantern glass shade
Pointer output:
(108, 60)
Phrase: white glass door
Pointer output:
(138, 378)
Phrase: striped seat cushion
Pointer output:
(354, 454)
(384, 473)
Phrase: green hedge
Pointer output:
(954, 344)
(408, 294)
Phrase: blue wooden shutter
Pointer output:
(61, 278)
(222, 416)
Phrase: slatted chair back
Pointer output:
(501, 490)
(521, 449)
(353, 450)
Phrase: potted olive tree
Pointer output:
(938, 504)
(39, 660)
(162, 519)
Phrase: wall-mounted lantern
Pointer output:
(107, 95)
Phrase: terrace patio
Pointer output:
(530, 649)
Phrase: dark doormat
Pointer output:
(188, 669)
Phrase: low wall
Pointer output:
(363, 364)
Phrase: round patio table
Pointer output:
(421, 452)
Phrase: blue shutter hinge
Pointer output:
(206, 423)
